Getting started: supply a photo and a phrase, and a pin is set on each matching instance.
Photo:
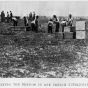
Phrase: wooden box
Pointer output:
(80, 25)
(80, 34)
(68, 35)
(67, 29)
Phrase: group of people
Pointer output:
(7, 18)
(52, 21)
(32, 21)
(56, 21)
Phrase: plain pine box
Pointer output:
(67, 29)
(80, 25)
(80, 34)
(68, 35)
(59, 35)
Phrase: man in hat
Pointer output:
(11, 15)
(7, 17)
(36, 24)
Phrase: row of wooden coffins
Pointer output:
(79, 31)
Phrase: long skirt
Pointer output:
(49, 29)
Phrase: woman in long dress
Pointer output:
(56, 21)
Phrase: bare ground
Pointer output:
(41, 55)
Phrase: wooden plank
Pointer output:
(18, 29)
(80, 25)
(80, 34)
(19, 26)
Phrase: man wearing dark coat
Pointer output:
(25, 21)
(56, 21)
(7, 17)
(36, 24)
(2, 16)
(11, 15)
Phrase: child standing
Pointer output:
(50, 26)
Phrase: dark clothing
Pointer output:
(50, 26)
(27, 28)
(25, 21)
(11, 15)
(63, 25)
(15, 22)
(49, 29)
(74, 32)
(36, 25)
(70, 21)
(32, 26)
(57, 27)
(7, 18)
(2, 16)
(36, 29)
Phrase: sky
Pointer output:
(46, 8)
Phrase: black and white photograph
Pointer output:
(44, 39)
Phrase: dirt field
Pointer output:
(41, 55)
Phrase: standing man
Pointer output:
(70, 20)
(25, 21)
(11, 15)
(2, 16)
(7, 17)
(36, 24)
(56, 21)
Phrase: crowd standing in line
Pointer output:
(32, 21)
(63, 23)
(8, 17)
